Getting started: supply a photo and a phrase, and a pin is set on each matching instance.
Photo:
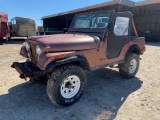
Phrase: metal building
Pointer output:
(146, 17)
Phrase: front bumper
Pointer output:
(27, 69)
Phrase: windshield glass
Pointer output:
(91, 20)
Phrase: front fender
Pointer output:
(80, 60)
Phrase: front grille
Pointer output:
(33, 53)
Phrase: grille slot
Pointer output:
(33, 53)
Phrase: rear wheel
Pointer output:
(66, 85)
(130, 67)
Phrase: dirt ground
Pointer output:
(108, 96)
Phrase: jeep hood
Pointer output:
(66, 42)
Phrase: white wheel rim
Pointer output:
(70, 86)
(133, 66)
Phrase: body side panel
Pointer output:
(94, 57)
(101, 54)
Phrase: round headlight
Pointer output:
(39, 49)
(27, 45)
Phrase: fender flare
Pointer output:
(133, 49)
(80, 59)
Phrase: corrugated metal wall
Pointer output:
(148, 25)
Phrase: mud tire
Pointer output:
(125, 68)
(57, 78)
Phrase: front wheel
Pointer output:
(66, 85)
(130, 67)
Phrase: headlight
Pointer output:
(39, 49)
(27, 45)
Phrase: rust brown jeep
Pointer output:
(93, 41)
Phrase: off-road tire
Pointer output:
(124, 68)
(57, 78)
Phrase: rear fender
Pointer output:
(133, 49)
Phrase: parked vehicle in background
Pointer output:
(39, 30)
(22, 27)
(4, 27)
(93, 41)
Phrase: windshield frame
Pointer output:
(90, 30)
